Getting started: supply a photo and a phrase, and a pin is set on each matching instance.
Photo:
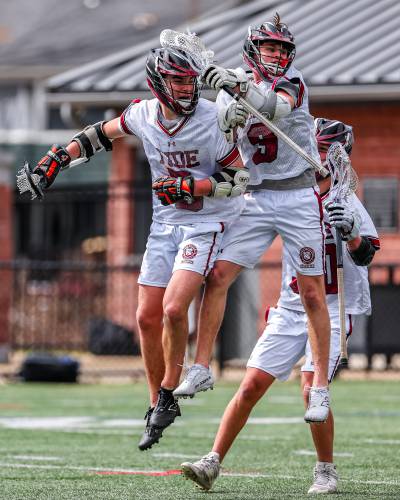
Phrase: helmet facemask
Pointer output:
(328, 132)
(174, 79)
(272, 33)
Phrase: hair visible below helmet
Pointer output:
(273, 32)
(329, 131)
(168, 61)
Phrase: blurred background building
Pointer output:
(69, 264)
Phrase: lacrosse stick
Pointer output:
(343, 182)
(27, 181)
(192, 44)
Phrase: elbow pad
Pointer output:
(92, 140)
(270, 104)
(231, 181)
(364, 254)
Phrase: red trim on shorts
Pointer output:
(229, 158)
(267, 313)
(350, 327)
(321, 222)
(209, 254)
(222, 227)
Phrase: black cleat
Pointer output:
(151, 434)
(165, 411)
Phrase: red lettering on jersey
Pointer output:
(179, 159)
(191, 158)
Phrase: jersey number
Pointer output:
(198, 202)
(265, 141)
(331, 284)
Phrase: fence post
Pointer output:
(121, 286)
(6, 253)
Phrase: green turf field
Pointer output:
(79, 442)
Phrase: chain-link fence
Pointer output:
(73, 287)
(85, 307)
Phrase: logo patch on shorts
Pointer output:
(307, 256)
(189, 251)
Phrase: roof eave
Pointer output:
(333, 93)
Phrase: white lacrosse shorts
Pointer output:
(170, 247)
(295, 214)
(285, 341)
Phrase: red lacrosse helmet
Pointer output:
(329, 131)
(273, 32)
(167, 61)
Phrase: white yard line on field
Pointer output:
(136, 471)
(87, 422)
(382, 441)
(33, 457)
(268, 420)
(173, 455)
(312, 453)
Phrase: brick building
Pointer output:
(348, 54)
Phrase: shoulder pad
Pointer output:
(293, 86)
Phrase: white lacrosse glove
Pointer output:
(217, 77)
(344, 219)
(232, 115)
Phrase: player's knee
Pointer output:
(219, 278)
(312, 299)
(174, 312)
(250, 392)
(147, 320)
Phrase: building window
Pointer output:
(381, 199)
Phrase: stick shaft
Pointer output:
(341, 297)
(278, 132)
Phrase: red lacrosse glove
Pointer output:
(170, 190)
(50, 165)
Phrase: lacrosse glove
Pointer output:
(217, 77)
(231, 116)
(50, 165)
(170, 190)
(344, 219)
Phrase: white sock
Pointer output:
(325, 463)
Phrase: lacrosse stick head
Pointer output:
(190, 45)
(27, 181)
(344, 180)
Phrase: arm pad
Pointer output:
(270, 104)
(92, 139)
(231, 181)
(364, 254)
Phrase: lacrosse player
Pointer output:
(283, 198)
(182, 142)
(284, 340)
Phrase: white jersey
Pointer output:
(264, 154)
(194, 146)
(356, 286)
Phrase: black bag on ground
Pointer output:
(46, 367)
(108, 338)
